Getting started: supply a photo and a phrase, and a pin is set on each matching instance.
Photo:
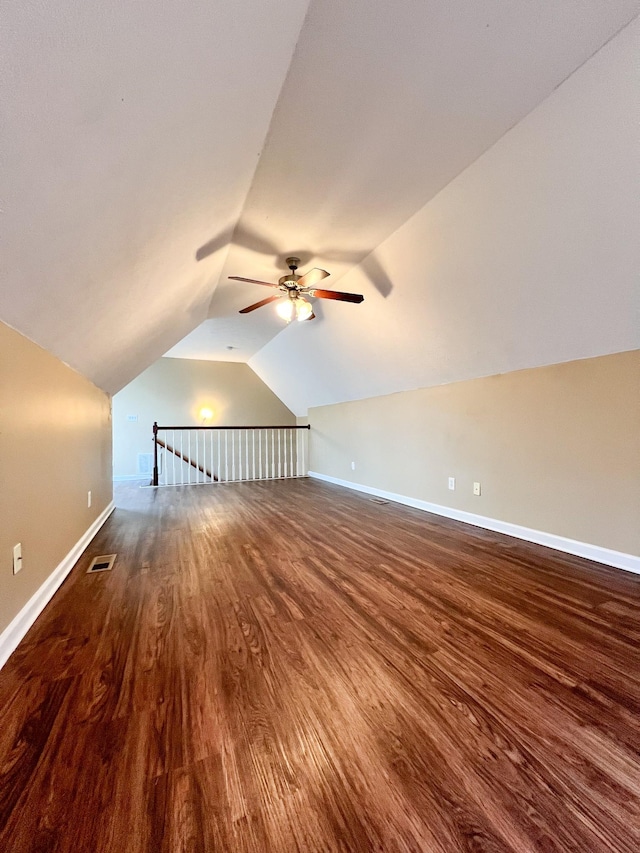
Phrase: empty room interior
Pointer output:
(320, 426)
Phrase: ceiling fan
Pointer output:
(295, 288)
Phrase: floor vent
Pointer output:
(102, 564)
(379, 501)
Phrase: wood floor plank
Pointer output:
(288, 666)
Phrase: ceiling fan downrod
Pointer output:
(291, 279)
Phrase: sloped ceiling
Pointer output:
(529, 257)
(150, 150)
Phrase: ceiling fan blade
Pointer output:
(252, 281)
(337, 294)
(310, 278)
(259, 304)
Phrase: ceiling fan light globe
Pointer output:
(284, 309)
(303, 309)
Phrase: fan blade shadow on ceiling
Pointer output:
(377, 274)
(370, 266)
(241, 237)
(214, 244)
(248, 239)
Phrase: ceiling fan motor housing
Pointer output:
(289, 280)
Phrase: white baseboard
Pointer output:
(617, 559)
(18, 627)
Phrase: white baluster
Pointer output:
(291, 474)
(233, 454)
(284, 449)
(273, 454)
(226, 455)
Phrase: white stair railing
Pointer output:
(185, 455)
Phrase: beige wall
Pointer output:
(555, 448)
(172, 392)
(55, 446)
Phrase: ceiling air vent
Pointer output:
(102, 564)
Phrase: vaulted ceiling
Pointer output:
(149, 150)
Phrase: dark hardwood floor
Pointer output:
(288, 666)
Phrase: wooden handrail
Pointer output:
(184, 458)
(286, 426)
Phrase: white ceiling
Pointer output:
(150, 150)
(529, 257)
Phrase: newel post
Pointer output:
(155, 454)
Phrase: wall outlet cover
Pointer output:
(452, 483)
(17, 558)
(476, 489)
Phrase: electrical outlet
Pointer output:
(17, 558)
(353, 466)
(476, 489)
(88, 500)
(452, 483)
